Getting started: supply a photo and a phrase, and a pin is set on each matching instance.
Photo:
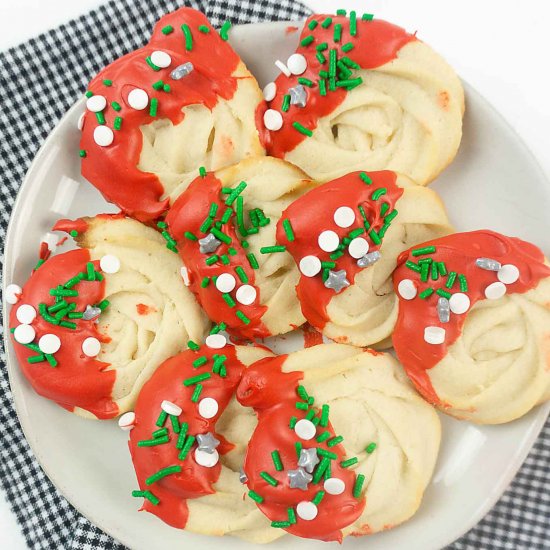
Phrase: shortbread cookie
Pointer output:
(345, 237)
(156, 115)
(343, 446)
(364, 94)
(224, 228)
(91, 325)
(473, 331)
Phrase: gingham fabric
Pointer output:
(39, 81)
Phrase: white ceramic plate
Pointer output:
(495, 182)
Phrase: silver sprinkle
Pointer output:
(443, 310)
(182, 70)
(299, 479)
(298, 95)
(209, 244)
(308, 459)
(337, 280)
(368, 259)
(488, 264)
(207, 442)
(91, 313)
(243, 478)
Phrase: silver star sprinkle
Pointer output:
(443, 310)
(337, 280)
(488, 264)
(299, 479)
(182, 70)
(298, 95)
(368, 259)
(243, 478)
(209, 244)
(207, 442)
(91, 313)
(308, 459)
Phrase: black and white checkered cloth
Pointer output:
(39, 81)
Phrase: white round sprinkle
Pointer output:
(24, 334)
(96, 103)
(270, 91)
(216, 341)
(282, 67)
(25, 314)
(12, 293)
(127, 420)
(310, 266)
(328, 241)
(91, 347)
(161, 59)
(344, 216)
(296, 63)
(508, 274)
(80, 123)
(358, 247)
(226, 282)
(495, 291)
(138, 99)
(306, 510)
(407, 289)
(208, 407)
(459, 303)
(49, 343)
(103, 136)
(208, 460)
(109, 263)
(184, 272)
(434, 335)
(170, 408)
(246, 294)
(334, 486)
(305, 429)
(273, 120)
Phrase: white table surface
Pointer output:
(493, 44)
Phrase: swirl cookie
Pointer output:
(473, 330)
(345, 237)
(363, 94)
(156, 115)
(224, 228)
(343, 446)
(188, 442)
(91, 325)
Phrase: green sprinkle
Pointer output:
(182, 435)
(325, 409)
(255, 496)
(391, 216)
(424, 272)
(298, 447)
(151, 64)
(350, 63)
(323, 87)
(375, 237)
(302, 392)
(199, 361)
(451, 279)
(305, 81)
(318, 498)
(235, 193)
(166, 88)
(322, 47)
(272, 249)
(435, 272)
(161, 419)
(252, 260)
(302, 129)
(341, 12)
(202, 172)
(463, 283)
(335, 441)
(349, 462)
(353, 23)
(312, 24)
(242, 274)
(269, 478)
(158, 85)
(116, 106)
(326, 23)
(190, 236)
(196, 379)
(443, 293)
(426, 293)
(320, 470)
(167, 30)
(307, 40)
(196, 393)
(347, 47)
(302, 406)
(89, 93)
(321, 58)
(153, 107)
(36, 358)
(413, 266)
(280, 524)
(147, 495)
(153, 442)
(357, 488)
(50, 358)
(370, 448)
(337, 32)
(292, 422)
(367, 17)
(161, 432)
(327, 454)
(100, 117)
(242, 317)
(332, 59)
(365, 177)
(204, 29)
(291, 515)
(378, 193)
(188, 37)
(286, 103)
(225, 30)
(82, 153)
(423, 251)
(186, 447)
(277, 462)
(228, 299)
(117, 124)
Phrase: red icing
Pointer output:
(376, 43)
(144, 309)
(113, 169)
(167, 384)
(272, 393)
(80, 225)
(78, 380)
(459, 252)
(311, 336)
(313, 213)
(187, 214)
